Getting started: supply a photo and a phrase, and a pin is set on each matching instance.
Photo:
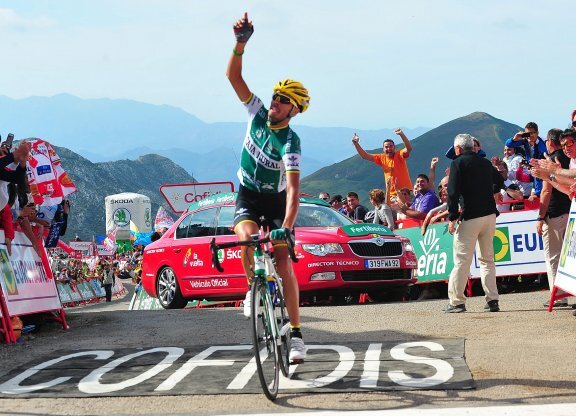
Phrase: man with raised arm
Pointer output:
(269, 176)
(393, 163)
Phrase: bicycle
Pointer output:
(269, 318)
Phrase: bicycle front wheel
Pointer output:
(284, 328)
(265, 348)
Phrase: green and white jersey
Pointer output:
(267, 153)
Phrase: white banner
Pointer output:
(80, 245)
(180, 196)
(518, 249)
(566, 275)
(26, 285)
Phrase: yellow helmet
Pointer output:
(295, 92)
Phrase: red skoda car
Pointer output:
(337, 257)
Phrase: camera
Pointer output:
(526, 134)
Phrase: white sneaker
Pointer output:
(297, 350)
(248, 304)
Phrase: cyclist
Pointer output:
(269, 176)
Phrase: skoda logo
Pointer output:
(379, 241)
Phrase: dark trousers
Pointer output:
(108, 290)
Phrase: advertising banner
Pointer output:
(26, 284)
(180, 196)
(64, 292)
(518, 249)
(433, 251)
(566, 275)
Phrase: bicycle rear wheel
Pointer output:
(265, 348)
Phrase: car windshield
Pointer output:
(310, 215)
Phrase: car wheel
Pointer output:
(168, 291)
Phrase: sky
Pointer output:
(367, 64)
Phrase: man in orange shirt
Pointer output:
(393, 163)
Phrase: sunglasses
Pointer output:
(567, 144)
(573, 123)
(281, 99)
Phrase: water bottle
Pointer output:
(272, 285)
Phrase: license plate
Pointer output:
(382, 264)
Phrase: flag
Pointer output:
(163, 219)
(49, 182)
(133, 230)
(142, 239)
(110, 241)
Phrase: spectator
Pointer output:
(108, 281)
(336, 203)
(451, 154)
(357, 212)
(546, 169)
(553, 214)
(440, 213)
(325, 196)
(382, 212)
(471, 186)
(534, 148)
(156, 235)
(513, 191)
(424, 199)
(512, 159)
(393, 163)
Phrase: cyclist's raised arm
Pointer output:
(243, 29)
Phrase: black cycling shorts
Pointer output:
(256, 206)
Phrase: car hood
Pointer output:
(343, 233)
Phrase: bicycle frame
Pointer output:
(266, 293)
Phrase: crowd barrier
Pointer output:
(518, 249)
(26, 285)
(86, 291)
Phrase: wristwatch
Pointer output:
(552, 177)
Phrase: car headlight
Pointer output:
(408, 246)
(323, 249)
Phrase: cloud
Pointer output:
(10, 19)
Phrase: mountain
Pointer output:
(360, 176)
(95, 181)
(106, 130)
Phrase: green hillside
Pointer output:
(360, 176)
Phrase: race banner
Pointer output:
(49, 183)
(566, 274)
(27, 286)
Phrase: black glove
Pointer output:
(243, 32)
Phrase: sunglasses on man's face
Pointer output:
(281, 99)
(573, 123)
(567, 144)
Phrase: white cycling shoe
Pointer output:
(248, 304)
(297, 350)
